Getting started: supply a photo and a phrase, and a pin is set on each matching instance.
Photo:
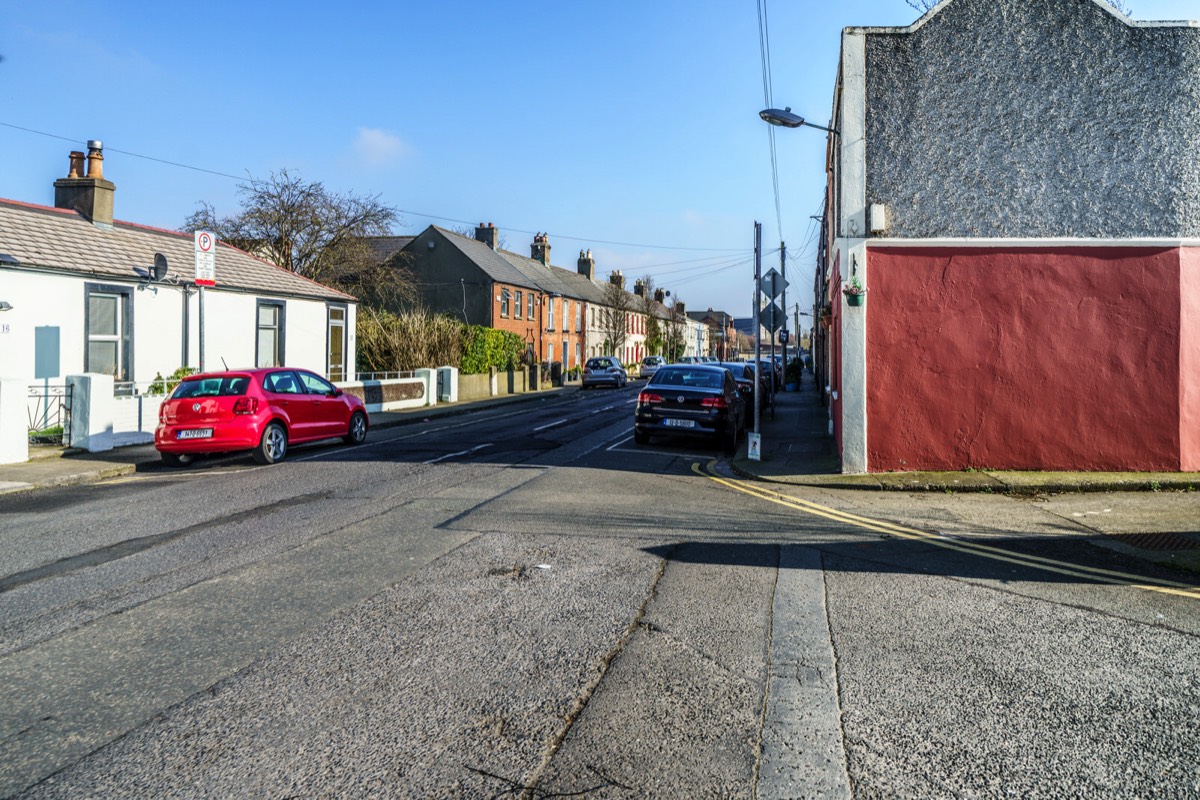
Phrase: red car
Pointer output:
(260, 409)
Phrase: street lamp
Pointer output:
(787, 119)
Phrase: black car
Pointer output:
(690, 400)
(743, 373)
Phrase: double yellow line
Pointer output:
(971, 548)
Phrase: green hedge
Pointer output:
(484, 348)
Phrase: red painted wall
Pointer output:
(1189, 359)
(1049, 359)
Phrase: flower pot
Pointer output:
(855, 299)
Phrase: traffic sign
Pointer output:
(771, 317)
(783, 336)
(773, 284)
(206, 259)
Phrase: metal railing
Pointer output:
(383, 376)
(48, 410)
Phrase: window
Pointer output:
(270, 351)
(337, 343)
(282, 383)
(531, 314)
(517, 306)
(550, 352)
(109, 331)
(578, 353)
(578, 317)
(505, 301)
(550, 323)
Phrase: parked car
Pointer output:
(691, 400)
(604, 371)
(690, 360)
(264, 410)
(650, 365)
(743, 374)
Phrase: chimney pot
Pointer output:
(76, 170)
(95, 158)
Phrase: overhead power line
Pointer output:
(586, 240)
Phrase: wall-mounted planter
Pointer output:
(855, 299)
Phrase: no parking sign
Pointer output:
(206, 259)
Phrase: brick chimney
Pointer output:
(587, 265)
(616, 278)
(639, 288)
(540, 250)
(91, 195)
(488, 234)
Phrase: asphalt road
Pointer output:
(522, 602)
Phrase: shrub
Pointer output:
(484, 348)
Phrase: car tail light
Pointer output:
(245, 405)
(649, 397)
(714, 402)
(162, 412)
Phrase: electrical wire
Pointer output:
(401, 211)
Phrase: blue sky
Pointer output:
(629, 128)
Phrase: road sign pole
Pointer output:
(783, 305)
(201, 310)
(757, 322)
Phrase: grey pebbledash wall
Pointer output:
(1034, 118)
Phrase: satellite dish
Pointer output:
(160, 266)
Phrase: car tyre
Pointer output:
(356, 432)
(273, 446)
(177, 459)
(641, 437)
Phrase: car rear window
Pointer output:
(227, 386)
(598, 363)
(697, 378)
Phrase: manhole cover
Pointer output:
(1159, 541)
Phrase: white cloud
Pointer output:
(377, 149)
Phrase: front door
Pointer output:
(337, 344)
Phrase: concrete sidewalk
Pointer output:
(64, 466)
(798, 449)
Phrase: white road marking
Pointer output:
(460, 453)
(550, 425)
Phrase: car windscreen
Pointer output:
(598, 363)
(225, 386)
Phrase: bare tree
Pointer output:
(305, 228)
(614, 318)
(648, 306)
(675, 331)
(925, 5)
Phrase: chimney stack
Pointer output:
(660, 295)
(91, 196)
(540, 250)
(488, 234)
(639, 288)
(616, 278)
(587, 265)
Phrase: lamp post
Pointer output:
(786, 119)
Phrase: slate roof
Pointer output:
(60, 240)
(504, 266)
(383, 248)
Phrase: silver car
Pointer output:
(604, 371)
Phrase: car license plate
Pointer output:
(195, 433)
(679, 423)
